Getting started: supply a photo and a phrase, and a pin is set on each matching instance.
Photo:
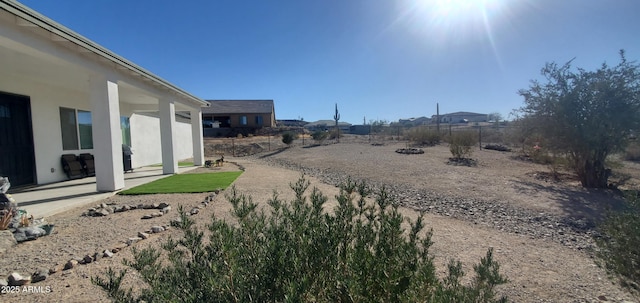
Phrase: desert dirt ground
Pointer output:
(540, 268)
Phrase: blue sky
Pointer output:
(385, 59)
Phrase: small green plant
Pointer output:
(299, 252)
(620, 243)
(288, 137)
(319, 136)
(461, 144)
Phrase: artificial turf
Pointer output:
(185, 183)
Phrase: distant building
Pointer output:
(291, 123)
(460, 117)
(327, 125)
(238, 116)
(360, 129)
(414, 121)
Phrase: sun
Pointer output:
(459, 8)
(452, 23)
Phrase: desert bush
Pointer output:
(423, 136)
(5, 219)
(288, 137)
(335, 133)
(319, 136)
(461, 143)
(493, 134)
(619, 242)
(300, 253)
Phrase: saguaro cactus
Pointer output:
(337, 118)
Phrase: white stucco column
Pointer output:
(196, 137)
(107, 137)
(167, 140)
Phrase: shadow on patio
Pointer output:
(50, 199)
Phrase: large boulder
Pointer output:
(28, 233)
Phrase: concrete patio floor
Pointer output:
(49, 199)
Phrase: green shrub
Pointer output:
(620, 242)
(461, 143)
(319, 136)
(288, 137)
(424, 136)
(298, 252)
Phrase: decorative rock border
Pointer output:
(104, 209)
(16, 279)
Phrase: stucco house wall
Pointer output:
(145, 140)
(49, 66)
(46, 101)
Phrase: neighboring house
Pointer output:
(360, 129)
(328, 125)
(414, 121)
(291, 123)
(460, 117)
(61, 93)
(241, 114)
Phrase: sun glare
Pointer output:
(459, 8)
(443, 24)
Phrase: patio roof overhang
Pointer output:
(29, 18)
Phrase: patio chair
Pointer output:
(87, 164)
(71, 166)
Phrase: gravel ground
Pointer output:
(539, 228)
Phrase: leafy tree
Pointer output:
(586, 115)
(495, 116)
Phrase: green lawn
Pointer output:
(186, 183)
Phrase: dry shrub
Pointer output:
(461, 144)
(424, 136)
(6, 219)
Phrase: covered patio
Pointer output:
(50, 199)
(61, 93)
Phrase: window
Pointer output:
(77, 129)
(85, 128)
(5, 112)
(243, 120)
(259, 120)
(125, 127)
